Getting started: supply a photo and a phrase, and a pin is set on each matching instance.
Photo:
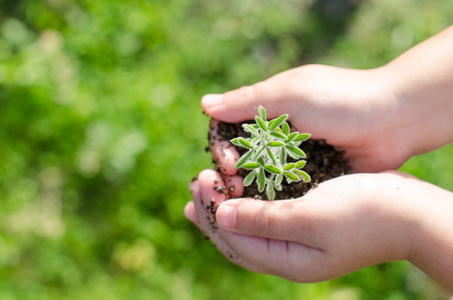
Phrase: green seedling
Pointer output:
(269, 146)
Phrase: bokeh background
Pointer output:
(101, 131)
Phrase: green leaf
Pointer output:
(261, 161)
(279, 187)
(251, 166)
(300, 164)
(304, 175)
(244, 158)
(278, 179)
(282, 157)
(245, 143)
(285, 128)
(271, 155)
(261, 180)
(279, 135)
(276, 144)
(302, 137)
(289, 166)
(291, 137)
(236, 142)
(258, 153)
(269, 124)
(270, 192)
(261, 124)
(291, 176)
(278, 121)
(262, 113)
(272, 169)
(248, 180)
(295, 151)
(251, 130)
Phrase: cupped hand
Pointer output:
(343, 225)
(354, 110)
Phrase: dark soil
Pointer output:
(324, 162)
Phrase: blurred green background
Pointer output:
(101, 131)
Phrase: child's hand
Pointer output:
(343, 225)
(354, 110)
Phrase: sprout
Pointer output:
(269, 146)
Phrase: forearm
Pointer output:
(432, 249)
(423, 80)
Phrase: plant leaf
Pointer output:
(285, 128)
(236, 142)
(261, 180)
(291, 137)
(295, 151)
(270, 192)
(272, 169)
(261, 161)
(269, 124)
(244, 143)
(300, 164)
(289, 166)
(262, 113)
(304, 175)
(278, 179)
(243, 160)
(282, 156)
(275, 144)
(258, 153)
(278, 121)
(251, 166)
(279, 187)
(279, 135)
(291, 176)
(251, 130)
(302, 137)
(248, 180)
(271, 155)
(261, 124)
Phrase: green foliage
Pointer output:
(101, 130)
(268, 147)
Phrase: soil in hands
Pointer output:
(324, 162)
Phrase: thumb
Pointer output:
(242, 104)
(265, 219)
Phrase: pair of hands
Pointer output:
(345, 223)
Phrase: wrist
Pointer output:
(422, 83)
(432, 242)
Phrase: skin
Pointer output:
(380, 118)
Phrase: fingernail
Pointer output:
(212, 100)
(226, 216)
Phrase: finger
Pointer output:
(206, 196)
(234, 185)
(223, 152)
(190, 213)
(290, 260)
(213, 189)
(242, 104)
(290, 220)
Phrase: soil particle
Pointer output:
(220, 189)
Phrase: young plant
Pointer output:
(269, 146)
